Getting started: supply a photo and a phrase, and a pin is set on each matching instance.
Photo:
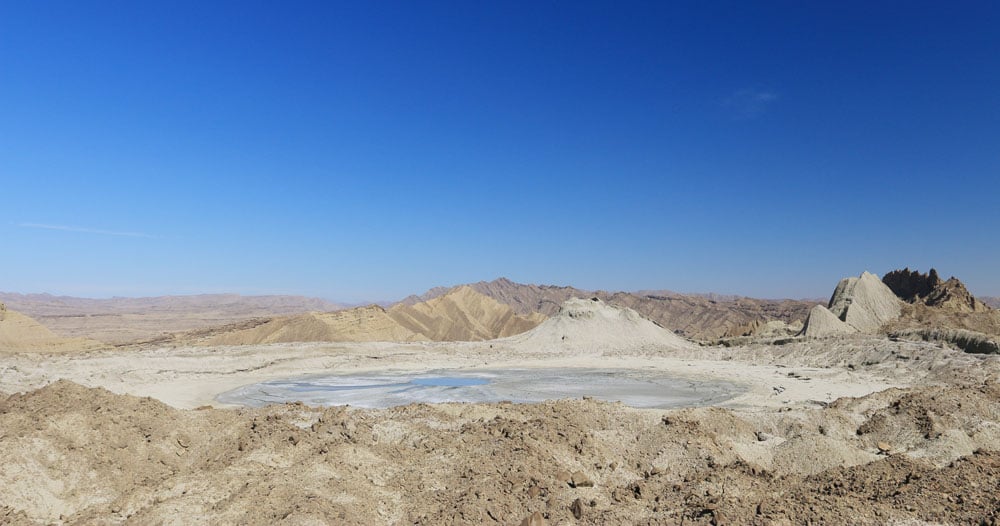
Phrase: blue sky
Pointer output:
(369, 150)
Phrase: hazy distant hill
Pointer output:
(699, 316)
(992, 301)
(118, 320)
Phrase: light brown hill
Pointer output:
(360, 324)
(460, 315)
(21, 333)
(524, 299)
(463, 315)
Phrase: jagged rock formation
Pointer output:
(911, 285)
(698, 316)
(928, 289)
(591, 324)
(463, 315)
(863, 304)
(460, 315)
(942, 306)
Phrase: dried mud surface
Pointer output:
(77, 455)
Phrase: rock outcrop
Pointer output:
(863, 304)
(911, 285)
(942, 307)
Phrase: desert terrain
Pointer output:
(880, 406)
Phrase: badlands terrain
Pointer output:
(879, 406)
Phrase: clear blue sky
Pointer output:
(369, 150)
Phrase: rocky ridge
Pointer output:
(706, 317)
(928, 289)
(463, 314)
(942, 310)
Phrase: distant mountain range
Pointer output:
(482, 310)
(121, 320)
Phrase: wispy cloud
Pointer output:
(85, 230)
(748, 103)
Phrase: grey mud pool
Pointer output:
(633, 387)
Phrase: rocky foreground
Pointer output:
(77, 455)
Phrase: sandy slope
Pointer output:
(370, 323)
(23, 334)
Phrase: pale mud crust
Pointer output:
(858, 430)
(76, 455)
